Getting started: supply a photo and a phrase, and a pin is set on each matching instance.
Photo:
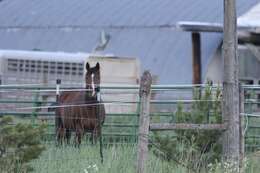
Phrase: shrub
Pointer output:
(196, 148)
(19, 144)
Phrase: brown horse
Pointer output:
(81, 111)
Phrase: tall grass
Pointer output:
(117, 159)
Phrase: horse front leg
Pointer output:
(92, 137)
(79, 134)
(68, 135)
(95, 133)
(60, 135)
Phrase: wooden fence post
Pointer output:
(230, 87)
(144, 121)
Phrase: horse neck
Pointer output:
(88, 95)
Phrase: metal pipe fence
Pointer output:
(34, 108)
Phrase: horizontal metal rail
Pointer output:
(26, 101)
(252, 136)
(119, 125)
(119, 134)
(185, 126)
(108, 86)
(252, 146)
(253, 126)
(24, 114)
(109, 125)
(119, 86)
(51, 114)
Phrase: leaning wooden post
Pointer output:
(230, 86)
(241, 129)
(144, 121)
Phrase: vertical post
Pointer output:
(196, 58)
(230, 86)
(57, 119)
(0, 85)
(45, 83)
(144, 121)
(196, 64)
(36, 105)
(58, 83)
(99, 123)
(241, 129)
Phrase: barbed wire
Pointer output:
(75, 105)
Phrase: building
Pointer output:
(143, 29)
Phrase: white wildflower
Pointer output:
(95, 167)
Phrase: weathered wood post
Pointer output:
(230, 86)
(144, 121)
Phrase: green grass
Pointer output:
(117, 159)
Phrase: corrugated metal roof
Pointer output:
(144, 29)
(251, 18)
(105, 13)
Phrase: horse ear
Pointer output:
(97, 66)
(87, 66)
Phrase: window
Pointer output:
(49, 67)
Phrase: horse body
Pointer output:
(79, 111)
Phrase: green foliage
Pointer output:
(197, 148)
(19, 144)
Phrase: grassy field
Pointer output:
(117, 159)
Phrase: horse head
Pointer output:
(92, 79)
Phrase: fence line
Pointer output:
(116, 85)
(123, 103)
(123, 86)
(73, 105)
(132, 88)
(250, 115)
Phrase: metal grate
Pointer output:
(15, 70)
(52, 67)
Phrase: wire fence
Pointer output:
(38, 104)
